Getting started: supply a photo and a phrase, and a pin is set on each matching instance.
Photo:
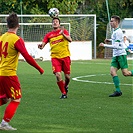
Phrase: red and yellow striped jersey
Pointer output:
(58, 43)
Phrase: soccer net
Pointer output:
(34, 27)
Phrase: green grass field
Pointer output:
(88, 109)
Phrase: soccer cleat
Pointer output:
(63, 96)
(6, 126)
(116, 94)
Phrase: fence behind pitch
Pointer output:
(34, 27)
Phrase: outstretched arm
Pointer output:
(19, 45)
(114, 46)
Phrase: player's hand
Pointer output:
(40, 46)
(62, 30)
(101, 44)
(129, 50)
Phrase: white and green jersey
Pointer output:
(117, 43)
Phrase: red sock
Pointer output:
(10, 110)
(61, 87)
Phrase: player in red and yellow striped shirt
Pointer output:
(11, 46)
(59, 40)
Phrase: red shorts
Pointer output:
(62, 64)
(10, 87)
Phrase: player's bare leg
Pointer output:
(125, 72)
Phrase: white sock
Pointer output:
(4, 122)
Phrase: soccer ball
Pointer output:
(53, 13)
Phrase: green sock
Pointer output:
(116, 83)
(132, 72)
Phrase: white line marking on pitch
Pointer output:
(96, 82)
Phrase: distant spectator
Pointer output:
(126, 44)
(125, 41)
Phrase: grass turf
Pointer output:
(88, 108)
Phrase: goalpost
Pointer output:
(82, 28)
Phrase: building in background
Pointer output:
(127, 28)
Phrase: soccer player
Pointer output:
(119, 59)
(11, 46)
(59, 39)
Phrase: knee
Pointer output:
(125, 74)
(112, 74)
(16, 100)
(58, 76)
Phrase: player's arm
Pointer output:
(41, 46)
(44, 42)
(67, 37)
(65, 34)
(19, 45)
(106, 45)
(116, 45)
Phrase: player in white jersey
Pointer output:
(119, 59)
(117, 42)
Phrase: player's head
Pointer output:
(125, 37)
(12, 21)
(115, 20)
(56, 23)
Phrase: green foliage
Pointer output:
(39, 6)
(7, 6)
(65, 6)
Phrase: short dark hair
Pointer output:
(116, 18)
(56, 18)
(12, 20)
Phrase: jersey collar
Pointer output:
(116, 29)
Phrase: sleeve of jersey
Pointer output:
(66, 32)
(20, 46)
(45, 39)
